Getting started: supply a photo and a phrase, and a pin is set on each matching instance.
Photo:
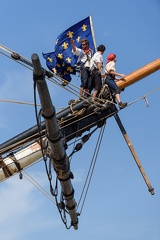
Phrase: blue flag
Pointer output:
(62, 61)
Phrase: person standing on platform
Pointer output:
(84, 56)
(96, 66)
(110, 78)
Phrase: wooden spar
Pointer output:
(139, 74)
(150, 189)
(59, 158)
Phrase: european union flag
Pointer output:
(62, 61)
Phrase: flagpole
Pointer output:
(92, 30)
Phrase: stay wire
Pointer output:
(16, 61)
(144, 97)
(18, 102)
(38, 186)
(56, 79)
(90, 171)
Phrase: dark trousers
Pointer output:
(111, 84)
(85, 75)
(95, 81)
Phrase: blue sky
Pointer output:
(118, 204)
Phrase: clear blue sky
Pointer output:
(118, 204)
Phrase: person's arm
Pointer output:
(73, 45)
(99, 66)
(117, 74)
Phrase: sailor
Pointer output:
(96, 66)
(84, 56)
(110, 76)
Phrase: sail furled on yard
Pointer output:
(62, 61)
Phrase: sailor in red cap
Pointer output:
(110, 78)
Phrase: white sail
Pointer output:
(14, 163)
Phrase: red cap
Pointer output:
(110, 57)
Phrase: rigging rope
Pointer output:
(38, 186)
(91, 169)
(19, 102)
(144, 97)
(64, 121)
(58, 81)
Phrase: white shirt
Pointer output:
(110, 67)
(97, 58)
(83, 57)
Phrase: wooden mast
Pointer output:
(139, 74)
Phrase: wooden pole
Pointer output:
(150, 189)
(139, 74)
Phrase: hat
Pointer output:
(111, 57)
